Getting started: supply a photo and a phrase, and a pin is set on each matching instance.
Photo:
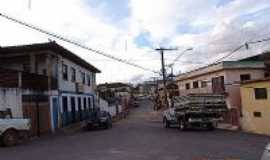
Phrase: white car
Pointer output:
(266, 153)
(11, 129)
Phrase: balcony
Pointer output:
(24, 80)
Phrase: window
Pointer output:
(187, 86)
(260, 93)
(257, 114)
(266, 74)
(88, 80)
(196, 84)
(245, 77)
(218, 86)
(65, 72)
(73, 74)
(203, 84)
(83, 77)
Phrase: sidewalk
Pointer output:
(71, 128)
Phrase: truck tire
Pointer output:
(210, 127)
(10, 138)
(108, 125)
(182, 125)
(166, 123)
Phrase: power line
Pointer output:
(259, 41)
(246, 45)
(229, 54)
(181, 54)
(74, 42)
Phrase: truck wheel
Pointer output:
(10, 138)
(89, 127)
(166, 123)
(210, 127)
(107, 125)
(182, 125)
(110, 125)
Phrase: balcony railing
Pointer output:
(24, 80)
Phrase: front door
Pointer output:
(65, 111)
(55, 112)
(73, 109)
(80, 108)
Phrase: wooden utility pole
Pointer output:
(163, 70)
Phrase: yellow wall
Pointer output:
(250, 105)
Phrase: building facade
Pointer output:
(54, 84)
(255, 106)
(222, 78)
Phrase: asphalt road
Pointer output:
(139, 138)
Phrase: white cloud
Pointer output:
(225, 29)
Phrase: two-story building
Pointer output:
(223, 78)
(47, 83)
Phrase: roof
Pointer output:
(224, 65)
(53, 46)
(256, 80)
(259, 57)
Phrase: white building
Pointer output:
(51, 84)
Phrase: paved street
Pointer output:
(139, 138)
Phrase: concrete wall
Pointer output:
(11, 98)
(250, 105)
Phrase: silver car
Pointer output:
(266, 153)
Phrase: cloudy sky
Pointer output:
(131, 29)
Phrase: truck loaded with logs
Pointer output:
(195, 111)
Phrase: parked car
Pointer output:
(266, 153)
(11, 129)
(99, 119)
(135, 104)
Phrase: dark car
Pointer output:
(99, 119)
(135, 104)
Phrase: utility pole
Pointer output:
(164, 77)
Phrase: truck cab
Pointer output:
(12, 129)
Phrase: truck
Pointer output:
(195, 111)
(12, 129)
